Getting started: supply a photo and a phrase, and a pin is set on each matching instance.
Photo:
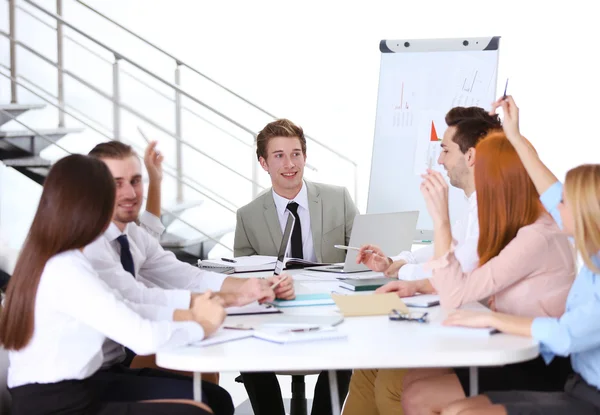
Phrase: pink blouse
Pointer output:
(530, 277)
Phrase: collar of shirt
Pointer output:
(113, 232)
(301, 198)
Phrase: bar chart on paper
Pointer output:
(430, 129)
(403, 109)
(473, 84)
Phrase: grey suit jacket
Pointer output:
(331, 211)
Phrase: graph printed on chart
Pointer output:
(402, 114)
(472, 85)
(430, 129)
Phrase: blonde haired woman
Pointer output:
(576, 208)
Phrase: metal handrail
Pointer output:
(53, 142)
(131, 76)
(148, 72)
(37, 133)
(180, 62)
(202, 192)
(132, 111)
(118, 105)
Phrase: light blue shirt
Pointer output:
(577, 331)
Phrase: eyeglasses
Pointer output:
(418, 317)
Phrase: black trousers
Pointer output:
(265, 393)
(533, 375)
(78, 397)
(120, 383)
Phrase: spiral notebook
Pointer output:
(221, 269)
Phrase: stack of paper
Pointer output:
(422, 300)
(303, 300)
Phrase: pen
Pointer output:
(238, 327)
(304, 330)
(279, 282)
(505, 88)
(143, 135)
(228, 260)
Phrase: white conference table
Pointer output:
(372, 342)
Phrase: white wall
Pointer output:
(317, 62)
(19, 198)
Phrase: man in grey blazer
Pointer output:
(324, 217)
(331, 212)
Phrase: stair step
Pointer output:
(21, 107)
(15, 110)
(43, 131)
(28, 162)
(32, 143)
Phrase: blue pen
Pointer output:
(505, 88)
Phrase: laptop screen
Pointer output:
(284, 244)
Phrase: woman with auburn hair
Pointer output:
(576, 208)
(526, 267)
(58, 312)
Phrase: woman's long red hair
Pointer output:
(506, 197)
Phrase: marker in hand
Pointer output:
(505, 88)
(143, 135)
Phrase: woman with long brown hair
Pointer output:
(526, 267)
(57, 312)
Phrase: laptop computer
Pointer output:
(392, 232)
(289, 226)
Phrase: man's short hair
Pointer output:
(112, 150)
(278, 128)
(472, 124)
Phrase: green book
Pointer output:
(370, 284)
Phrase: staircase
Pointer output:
(210, 167)
(20, 149)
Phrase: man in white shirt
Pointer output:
(324, 217)
(130, 259)
(8, 259)
(466, 126)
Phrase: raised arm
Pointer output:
(541, 176)
(153, 161)
(435, 191)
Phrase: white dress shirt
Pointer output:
(74, 312)
(152, 224)
(160, 278)
(301, 198)
(8, 256)
(465, 231)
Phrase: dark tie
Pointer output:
(126, 258)
(296, 232)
